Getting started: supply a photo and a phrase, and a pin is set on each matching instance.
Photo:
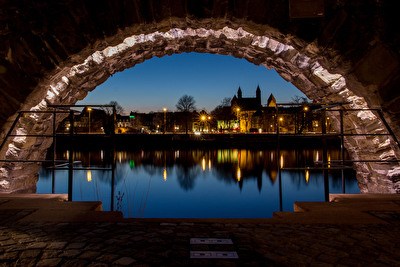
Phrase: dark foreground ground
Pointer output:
(340, 233)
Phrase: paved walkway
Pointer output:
(28, 240)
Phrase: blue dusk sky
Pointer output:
(160, 82)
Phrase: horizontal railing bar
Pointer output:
(356, 109)
(30, 160)
(361, 160)
(82, 169)
(316, 168)
(81, 106)
(44, 111)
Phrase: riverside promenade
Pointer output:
(350, 230)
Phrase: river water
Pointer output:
(209, 183)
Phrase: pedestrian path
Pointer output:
(289, 239)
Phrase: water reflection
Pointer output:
(199, 183)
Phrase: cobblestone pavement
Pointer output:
(157, 243)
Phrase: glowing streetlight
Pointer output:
(89, 109)
(238, 117)
(165, 119)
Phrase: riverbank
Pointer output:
(168, 140)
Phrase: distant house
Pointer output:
(90, 120)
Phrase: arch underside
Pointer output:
(303, 64)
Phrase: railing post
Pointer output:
(278, 157)
(53, 176)
(113, 160)
(342, 149)
(325, 156)
(71, 156)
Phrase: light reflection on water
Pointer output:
(220, 183)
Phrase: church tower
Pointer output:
(258, 95)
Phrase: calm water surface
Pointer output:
(223, 183)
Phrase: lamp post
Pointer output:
(280, 122)
(238, 117)
(305, 109)
(203, 119)
(165, 119)
(89, 109)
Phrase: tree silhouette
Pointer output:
(186, 104)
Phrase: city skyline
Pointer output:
(158, 83)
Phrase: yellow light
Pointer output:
(165, 174)
(209, 117)
(89, 108)
(307, 174)
(209, 164)
(305, 108)
(164, 109)
(281, 119)
(238, 174)
(237, 109)
(203, 118)
(89, 176)
(203, 164)
(281, 161)
(329, 160)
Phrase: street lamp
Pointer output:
(238, 117)
(89, 109)
(305, 109)
(165, 119)
(203, 119)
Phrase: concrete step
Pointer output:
(54, 208)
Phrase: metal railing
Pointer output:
(325, 165)
(56, 163)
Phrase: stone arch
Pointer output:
(304, 64)
(355, 39)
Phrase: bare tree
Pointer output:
(118, 108)
(299, 99)
(186, 104)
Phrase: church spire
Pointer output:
(239, 93)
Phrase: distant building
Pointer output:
(248, 111)
(90, 120)
(252, 116)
